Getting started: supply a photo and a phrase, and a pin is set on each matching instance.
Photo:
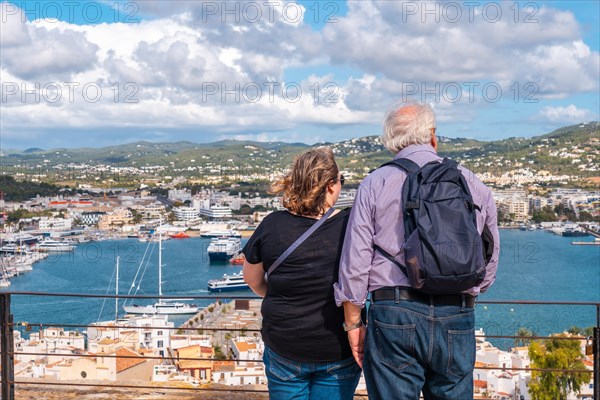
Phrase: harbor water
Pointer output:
(534, 265)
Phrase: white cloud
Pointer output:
(31, 50)
(565, 115)
(189, 69)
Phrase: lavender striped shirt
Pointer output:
(376, 218)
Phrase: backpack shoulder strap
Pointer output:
(391, 258)
(407, 165)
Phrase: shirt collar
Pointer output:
(414, 148)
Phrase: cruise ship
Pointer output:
(228, 283)
(222, 249)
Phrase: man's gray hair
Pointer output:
(406, 124)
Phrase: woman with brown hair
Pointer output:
(307, 355)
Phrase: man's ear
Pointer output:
(434, 141)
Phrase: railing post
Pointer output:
(7, 360)
(597, 354)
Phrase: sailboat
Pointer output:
(164, 307)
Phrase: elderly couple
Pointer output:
(413, 342)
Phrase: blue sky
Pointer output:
(94, 74)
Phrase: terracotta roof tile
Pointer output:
(126, 363)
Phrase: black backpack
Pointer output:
(444, 252)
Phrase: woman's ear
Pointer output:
(330, 186)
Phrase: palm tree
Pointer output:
(522, 337)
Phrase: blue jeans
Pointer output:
(289, 379)
(412, 347)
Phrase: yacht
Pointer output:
(54, 246)
(222, 233)
(222, 249)
(228, 283)
(164, 307)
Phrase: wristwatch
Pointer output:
(353, 326)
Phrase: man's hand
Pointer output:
(356, 337)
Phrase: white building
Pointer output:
(138, 332)
(55, 224)
(216, 212)
(181, 195)
(185, 213)
(91, 217)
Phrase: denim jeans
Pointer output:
(294, 380)
(412, 347)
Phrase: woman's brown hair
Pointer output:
(305, 186)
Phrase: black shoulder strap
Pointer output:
(408, 166)
(404, 163)
(391, 258)
(299, 241)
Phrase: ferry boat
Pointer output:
(228, 283)
(222, 234)
(180, 235)
(54, 246)
(222, 249)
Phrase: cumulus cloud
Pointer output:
(31, 51)
(194, 66)
(565, 115)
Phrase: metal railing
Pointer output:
(8, 352)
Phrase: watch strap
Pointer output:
(353, 326)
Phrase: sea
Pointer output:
(534, 266)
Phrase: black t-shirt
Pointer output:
(300, 318)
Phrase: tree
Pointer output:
(525, 334)
(556, 354)
(219, 353)
(544, 214)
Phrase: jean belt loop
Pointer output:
(462, 300)
(397, 295)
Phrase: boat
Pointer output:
(180, 235)
(228, 283)
(222, 249)
(163, 306)
(596, 242)
(222, 233)
(54, 246)
(574, 232)
(237, 259)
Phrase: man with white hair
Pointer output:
(415, 341)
